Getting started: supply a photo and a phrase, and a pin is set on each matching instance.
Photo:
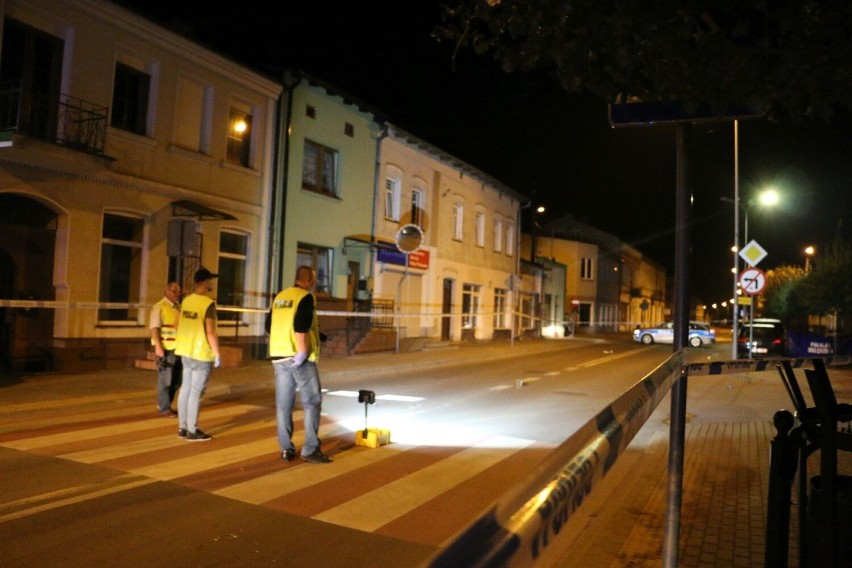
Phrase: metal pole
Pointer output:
(671, 544)
(399, 299)
(736, 237)
(751, 298)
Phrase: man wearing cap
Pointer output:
(294, 346)
(163, 326)
(198, 346)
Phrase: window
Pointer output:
(321, 259)
(319, 169)
(349, 130)
(418, 202)
(130, 99)
(470, 305)
(498, 234)
(586, 269)
(528, 302)
(239, 137)
(501, 308)
(458, 221)
(230, 290)
(510, 239)
(310, 111)
(121, 266)
(32, 63)
(393, 185)
(480, 229)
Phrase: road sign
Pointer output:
(752, 281)
(753, 253)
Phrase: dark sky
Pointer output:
(558, 149)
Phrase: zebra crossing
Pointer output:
(417, 492)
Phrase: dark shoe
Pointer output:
(168, 413)
(317, 457)
(182, 433)
(288, 455)
(198, 436)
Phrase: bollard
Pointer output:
(783, 460)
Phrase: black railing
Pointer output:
(63, 119)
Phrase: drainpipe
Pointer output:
(281, 176)
(516, 276)
(383, 132)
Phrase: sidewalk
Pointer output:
(621, 524)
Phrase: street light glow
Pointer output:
(769, 197)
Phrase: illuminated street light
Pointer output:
(809, 252)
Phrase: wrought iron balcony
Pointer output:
(62, 119)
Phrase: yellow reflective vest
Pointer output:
(191, 338)
(168, 324)
(282, 336)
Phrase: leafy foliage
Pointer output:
(828, 287)
(793, 295)
(789, 56)
(781, 282)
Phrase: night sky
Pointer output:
(556, 148)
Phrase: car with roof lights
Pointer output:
(700, 334)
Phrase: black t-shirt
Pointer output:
(304, 315)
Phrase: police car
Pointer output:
(700, 334)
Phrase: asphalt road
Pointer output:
(111, 484)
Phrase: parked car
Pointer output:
(700, 334)
(768, 335)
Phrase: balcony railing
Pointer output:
(63, 119)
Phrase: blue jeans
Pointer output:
(306, 379)
(195, 376)
(168, 381)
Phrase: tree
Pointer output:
(781, 282)
(787, 57)
(828, 287)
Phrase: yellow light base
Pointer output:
(373, 439)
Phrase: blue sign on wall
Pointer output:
(390, 256)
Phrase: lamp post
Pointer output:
(768, 197)
(809, 252)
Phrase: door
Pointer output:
(353, 276)
(447, 310)
(27, 243)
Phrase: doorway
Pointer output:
(27, 244)
(447, 310)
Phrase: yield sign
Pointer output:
(752, 281)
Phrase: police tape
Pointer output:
(58, 305)
(755, 365)
(523, 528)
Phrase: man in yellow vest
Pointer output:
(163, 326)
(198, 346)
(294, 346)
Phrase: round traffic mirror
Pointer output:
(409, 238)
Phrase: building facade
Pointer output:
(464, 283)
(609, 285)
(325, 186)
(129, 157)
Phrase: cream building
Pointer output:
(464, 283)
(129, 156)
(606, 290)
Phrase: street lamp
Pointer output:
(768, 198)
(809, 252)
